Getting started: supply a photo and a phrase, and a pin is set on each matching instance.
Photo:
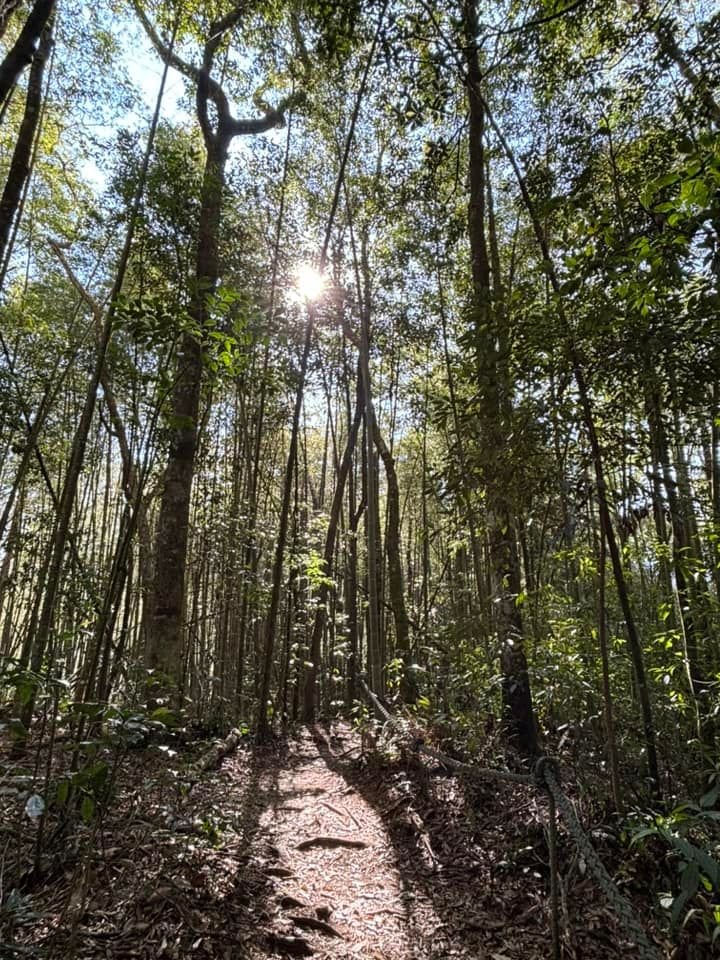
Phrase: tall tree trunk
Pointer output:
(23, 50)
(167, 596)
(166, 603)
(517, 698)
(633, 636)
(19, 171)
(320, 619)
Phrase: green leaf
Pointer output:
(678, 904)
(699, 858)
(665, 180)
(16, 728)
(690, 879)
(641, 834)
(25, 691)
(165, 716)
(63, 792)
(87, 808)
(709, 799)
(695, 191)
(97, 774)
(570, 286)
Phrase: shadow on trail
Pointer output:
(474, 854)
(251, 903)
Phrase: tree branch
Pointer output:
(210, 89)
(540, 21)
(273, 118)
(219, 27)
(166, 54)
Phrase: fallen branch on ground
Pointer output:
(330, 842)
(218, 751)
(345, 814)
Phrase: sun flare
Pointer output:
(309, 282)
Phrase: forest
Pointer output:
(359, 479)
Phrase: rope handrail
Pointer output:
(545, 776)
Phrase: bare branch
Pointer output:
(166, 54)
(540, 20)
(95, 307)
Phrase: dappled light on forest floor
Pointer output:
(344, 892)
(306, 847)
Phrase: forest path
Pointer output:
(344, 896)
(302, 848)
(403, 861)
(388, 855)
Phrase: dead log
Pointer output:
(218, 751)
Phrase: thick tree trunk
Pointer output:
(634, 642)
(166, 607)
(517, 698)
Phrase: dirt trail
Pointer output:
(341, 864)
(438, 869)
